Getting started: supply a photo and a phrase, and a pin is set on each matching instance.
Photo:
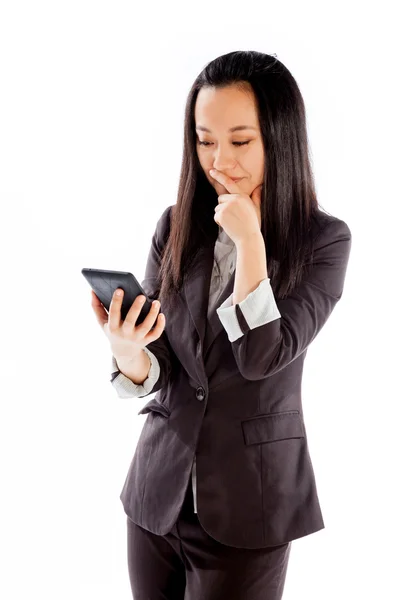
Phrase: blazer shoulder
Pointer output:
(163, 226)
(327, 225)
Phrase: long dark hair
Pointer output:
(288, 204)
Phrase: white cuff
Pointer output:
(258, 308)
(127, 389)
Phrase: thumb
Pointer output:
(99, 310)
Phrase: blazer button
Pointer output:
(200, 394)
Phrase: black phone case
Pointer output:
(104, 283)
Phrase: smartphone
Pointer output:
(104, 283)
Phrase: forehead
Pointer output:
(225, 108)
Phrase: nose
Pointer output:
(224, 159)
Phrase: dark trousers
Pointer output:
(188, 564)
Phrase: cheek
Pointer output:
(257, 169)
(206, 166)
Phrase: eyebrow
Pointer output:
(237, 128)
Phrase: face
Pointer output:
(237, 153)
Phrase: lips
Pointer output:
(236, 178)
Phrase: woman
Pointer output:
(248, 269)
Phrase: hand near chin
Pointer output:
(238, 213)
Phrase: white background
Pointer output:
(91, 122)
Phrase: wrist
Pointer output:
(125, 362)
(252, 239)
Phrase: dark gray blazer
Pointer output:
(236, 405)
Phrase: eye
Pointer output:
(234, 143)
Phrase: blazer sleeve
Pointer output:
(160, 348)
(264, 350)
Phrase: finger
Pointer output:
(114, 313)
(227, 182)
(97, 302)
(157, 331)
(95, 299)
(147, 323)
(134, 311)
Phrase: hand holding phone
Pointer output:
(129, 324)
(126, 338)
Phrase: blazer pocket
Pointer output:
(155, 406)
(273, 427)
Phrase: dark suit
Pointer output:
(236, 405)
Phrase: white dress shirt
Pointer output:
(259, 307)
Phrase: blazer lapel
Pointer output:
(214, 320)
(195, 292)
